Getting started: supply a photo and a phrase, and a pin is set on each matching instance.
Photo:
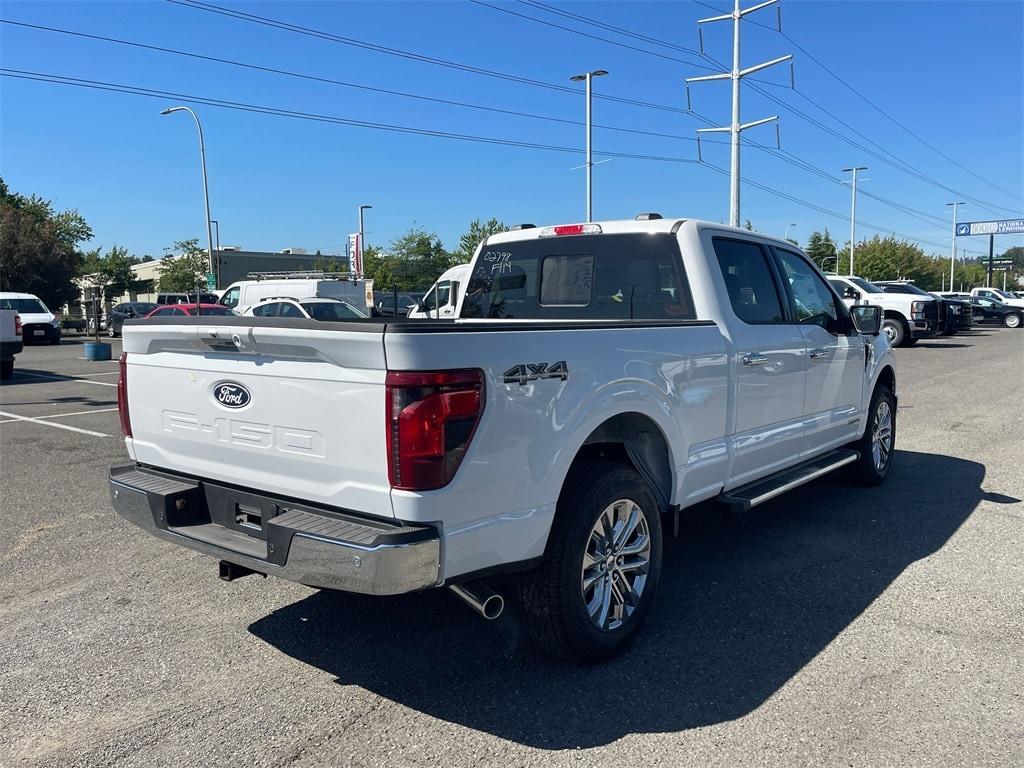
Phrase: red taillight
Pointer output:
(122, 395)
(17, 325)
(431, 417)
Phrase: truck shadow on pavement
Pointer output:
(744, 604)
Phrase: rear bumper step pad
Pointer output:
(316, 547)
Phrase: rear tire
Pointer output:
(592, 592)
(1012, 321)
(895, 331)
(878, 443)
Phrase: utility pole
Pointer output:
(357, 259)
(216, 239)
(991, 245)
(952, 255)
(853, 210)
(736, 74)
(587, 77)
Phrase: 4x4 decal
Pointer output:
(523, 374)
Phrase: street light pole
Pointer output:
(587, 77)
(206, 190)
(853, 213)
(787, 230)
(362, 243)
(952, 254)
(216, 239)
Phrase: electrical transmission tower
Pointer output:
(737, 74)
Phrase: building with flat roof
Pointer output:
(231, 263)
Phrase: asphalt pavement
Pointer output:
(834, 626)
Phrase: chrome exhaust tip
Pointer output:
(480, 598)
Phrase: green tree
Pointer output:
(823, 250)
(890, 258)
(412, 262)
(111, 273)
(477, 233)
(39, 248)
(185, 272)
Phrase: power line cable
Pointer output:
(281, 112)
(877, 108)
(331, 37)
(331, 119)
(891, 160)
(793, 160)
(333, 81)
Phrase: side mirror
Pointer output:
(866, 320)
(851, 293)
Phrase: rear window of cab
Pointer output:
(581, 277)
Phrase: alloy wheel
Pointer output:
(881, 435)
(615, 564)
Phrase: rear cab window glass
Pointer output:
(748, 281)
(635, 276)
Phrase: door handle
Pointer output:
(754, 358)
(819, 353)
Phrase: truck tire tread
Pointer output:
(546, 594)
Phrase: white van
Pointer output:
(242, 295)
(443, 297)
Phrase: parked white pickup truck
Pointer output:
(11, 341)
(599, 376)
(906, 318)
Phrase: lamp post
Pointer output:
(587, 77)
(853, 212)
(788, 226)
(362, 242)
(206, 190)
(835, 252)
(952, 255)
(216, 239)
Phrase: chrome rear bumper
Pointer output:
(319, 548)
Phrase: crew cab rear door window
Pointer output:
(749, 281)
(581, 277)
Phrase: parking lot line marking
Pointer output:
(16, 417)
(65, 378)
(76, 413)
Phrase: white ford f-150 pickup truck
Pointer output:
(598, 377)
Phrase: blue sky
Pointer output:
(953, 72)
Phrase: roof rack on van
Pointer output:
(314, 274)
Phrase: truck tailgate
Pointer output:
(288, 407)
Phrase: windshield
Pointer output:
(905, 288)
(864, 285)
(331, 310)
(1004, 294)
(213, 311)
(143, 308)
(24, 306)
(582, 277)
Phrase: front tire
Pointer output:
(878, 443)
(1012, 321)
(601, 568)
(895, 331)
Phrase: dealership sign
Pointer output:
(1003, 227)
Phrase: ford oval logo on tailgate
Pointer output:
(231, 395)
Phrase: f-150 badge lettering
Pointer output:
(231, 395)
(523, 374)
